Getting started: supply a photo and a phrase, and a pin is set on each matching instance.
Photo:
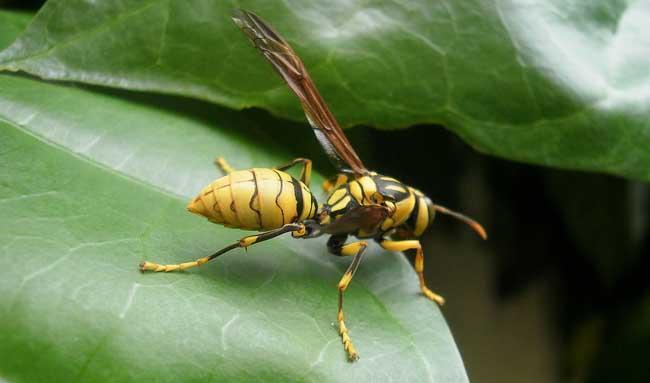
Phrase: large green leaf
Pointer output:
(12, 23)
(93, 182)
(549, 82)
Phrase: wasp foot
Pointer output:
(151, 266)
(353, 355)
(433, 296)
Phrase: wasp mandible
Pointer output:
(359, 203)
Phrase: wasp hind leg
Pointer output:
(305, 173)
(419, 264)
(223, 165)
(297, 230)
(357, 249)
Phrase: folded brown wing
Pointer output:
(285, 61)
(363, 218)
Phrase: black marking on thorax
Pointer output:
(330, 203)
(363, 191)
(352, 203)
(390, 193)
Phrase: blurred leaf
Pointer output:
(604, 217)
(93, 182)
(12, 23)
(622, 354)
(549, 82)
(582, 347)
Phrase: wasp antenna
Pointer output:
(473, 224)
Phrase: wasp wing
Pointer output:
(364, 218)
(285, 61)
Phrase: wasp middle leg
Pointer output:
(297, 229)
(419, 264)
(335, 245)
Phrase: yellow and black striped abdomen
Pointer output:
(255, 199)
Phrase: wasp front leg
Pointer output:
(297, 229)
(357, 249)
(419, 263)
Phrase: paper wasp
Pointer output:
(360, 203)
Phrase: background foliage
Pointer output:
(548, 82)
(553, 83)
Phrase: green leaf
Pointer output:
(12, 23)
(93, 182)
(547, 82)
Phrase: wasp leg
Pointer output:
(223, 165)
(334, 182)
(305, 173)
(357, 249)
(419, 264)
(298, 230)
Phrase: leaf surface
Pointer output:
(546, 82)
(93, 182)
(12, 23)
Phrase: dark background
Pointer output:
(559, 292)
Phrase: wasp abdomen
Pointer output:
(255, 199)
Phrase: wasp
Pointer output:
(360, 203)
